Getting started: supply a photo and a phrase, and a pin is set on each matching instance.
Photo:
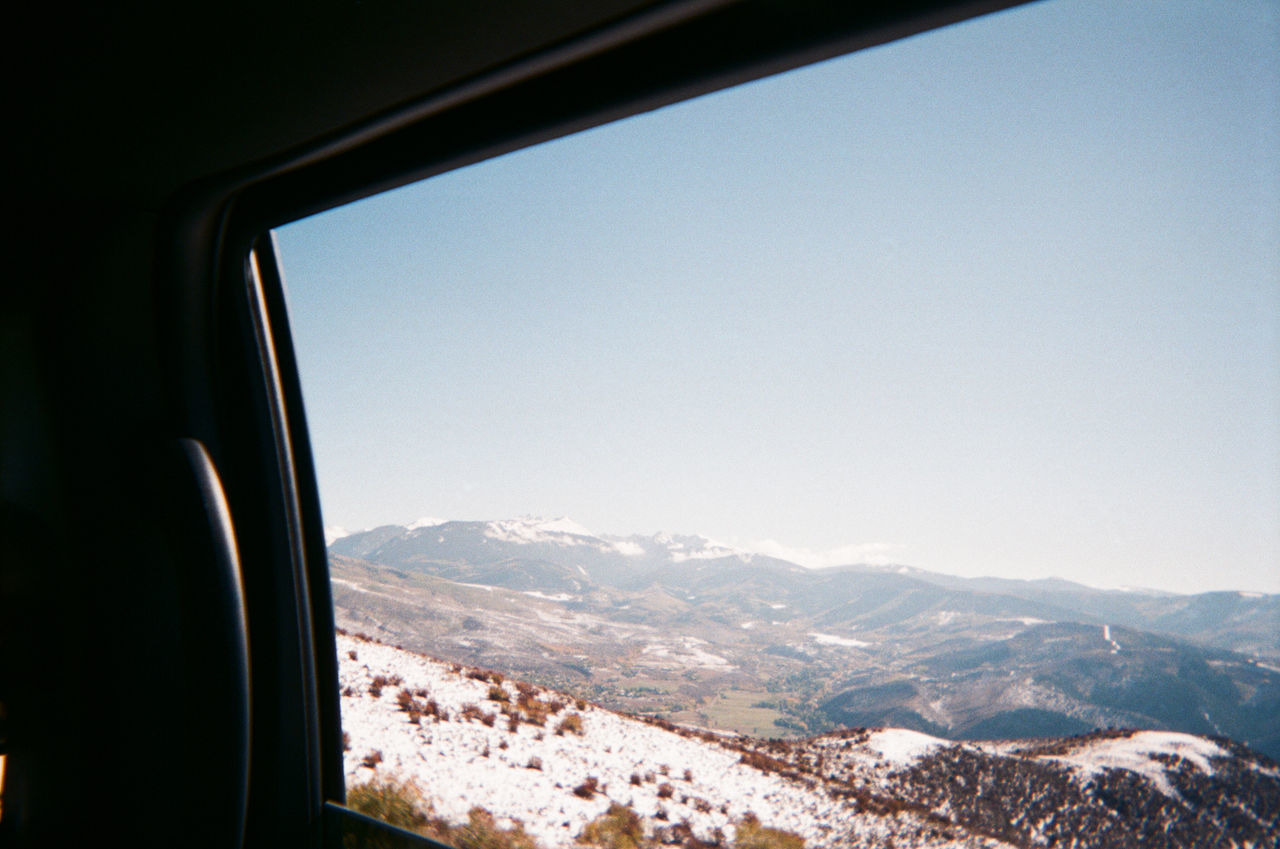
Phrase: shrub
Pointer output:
(752, 835)
(393, 802)
(346, 741)
(635, 779)
(380, 681)
(617, 828)
(688, 775)
(498, 694)
(535, 762)
(665, 790)
(535, 712)
(764, 763)
(571, 723)
(401, 804)
(482, 832)
(588, 788)
(372, 759)
(472, 711)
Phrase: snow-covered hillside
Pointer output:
(555, 763)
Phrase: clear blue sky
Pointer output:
(999, 299)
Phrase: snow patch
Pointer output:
(333, 533)
(1136, 754)
(901, 746)
(550, 597)
(350, 584)
(687, 652)
(833, 640)
(530, 529)
(425, 522)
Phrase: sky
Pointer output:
(998, 299)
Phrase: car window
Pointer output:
(932, 389)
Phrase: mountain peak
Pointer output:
(536, 529)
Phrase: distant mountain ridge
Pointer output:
(662, 624)
(1240, 621)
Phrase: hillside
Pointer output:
(468, 737)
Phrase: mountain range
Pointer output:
(699, 633)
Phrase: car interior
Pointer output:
(167, 668)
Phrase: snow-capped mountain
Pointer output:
(469, 737)
(535, 534)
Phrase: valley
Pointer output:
(685, 630)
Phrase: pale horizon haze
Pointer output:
(999, 299)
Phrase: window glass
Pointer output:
(935, 388)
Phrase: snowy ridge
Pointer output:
(566, 532)
(1192, 792)
(666, 777)
(528, 529)
(1144, 753)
